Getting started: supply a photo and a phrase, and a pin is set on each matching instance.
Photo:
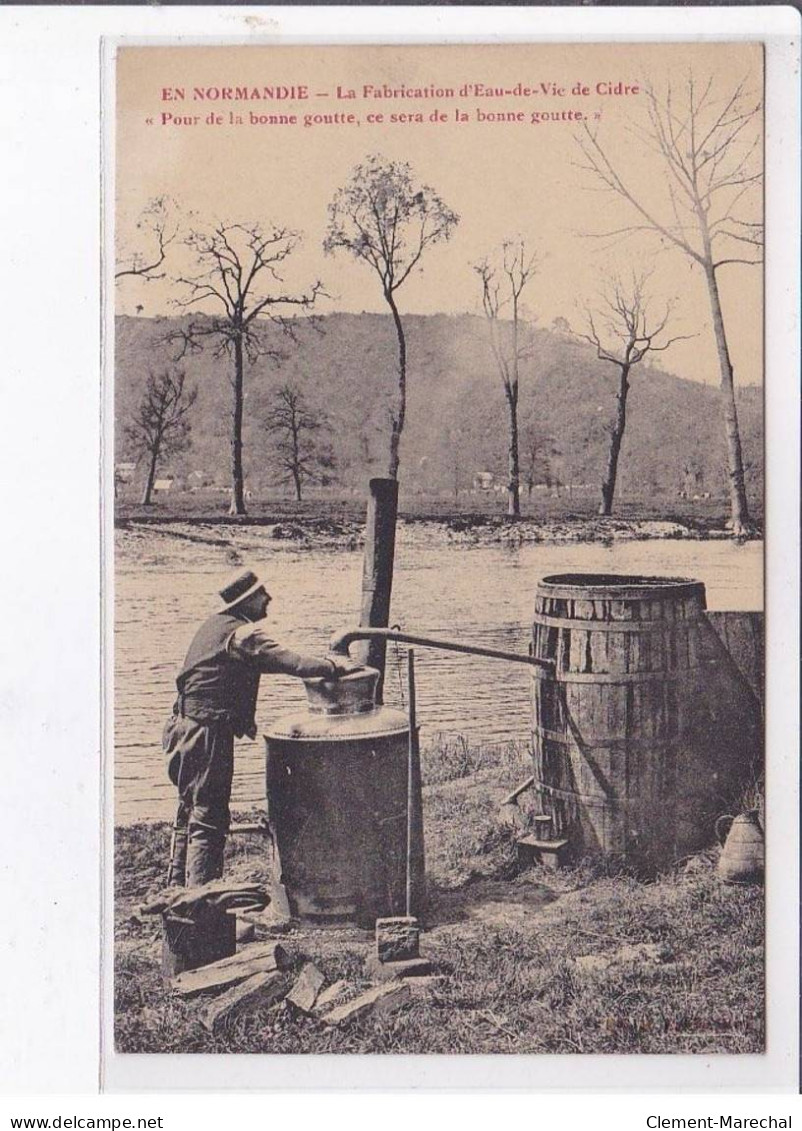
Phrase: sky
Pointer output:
(506, 178)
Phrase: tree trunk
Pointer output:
(514, 481)
(296, 454)
(397, 421)
(739, 509)
(154, 459)
(608, 486)
(237, 477)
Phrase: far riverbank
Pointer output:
(339, 524)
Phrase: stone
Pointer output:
(645, 954)
(593, 963)
(405, 968)
(257, 991)
(397, 939)
(308, 985)
(642, 952)
(380, 1001)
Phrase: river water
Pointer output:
(479, 594)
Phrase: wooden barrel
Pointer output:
(641, 735)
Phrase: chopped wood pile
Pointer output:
(262, 975)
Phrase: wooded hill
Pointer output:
(456, 413)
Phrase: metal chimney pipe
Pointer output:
(342, 640)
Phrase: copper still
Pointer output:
(337, 792)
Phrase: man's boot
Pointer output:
(204, 858)
(177, 871)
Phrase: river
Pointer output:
(164, 587)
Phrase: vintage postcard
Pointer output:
(438, 572)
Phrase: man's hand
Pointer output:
(343, 665)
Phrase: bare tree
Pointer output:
(451, 468)
(158, 226)
(384, 218)
(504, 278)
(538, 451)
(301, 451)
(238, 278)
(692, 478)
(159, 427)
(623, 331)
(709, 149)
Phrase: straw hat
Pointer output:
(238, 587)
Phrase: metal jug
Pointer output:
(741, 860)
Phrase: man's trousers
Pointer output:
(200, 763)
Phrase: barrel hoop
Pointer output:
(614, 677)
(335, 738)
(639, 626)
(627, 589)
(561, 739)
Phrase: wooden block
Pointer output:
(246, 932)
(189, 945)
(257, 991)
(397, 938)
(380, 1000)
(266, 950)
(258, 959)
(552, 861)
(308, 985)
(404, 968)
(542, 845)
(550, 853)
(330, 996)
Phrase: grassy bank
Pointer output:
(577, 961)
(703, 516)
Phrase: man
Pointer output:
(217, 689)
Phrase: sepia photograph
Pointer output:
(438, 567)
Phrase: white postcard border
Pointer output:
(50, 72)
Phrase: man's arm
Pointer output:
(252, 644)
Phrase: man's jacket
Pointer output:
(219, 681)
